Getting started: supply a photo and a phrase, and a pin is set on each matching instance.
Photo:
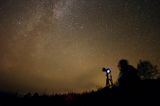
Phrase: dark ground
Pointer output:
(143, 93)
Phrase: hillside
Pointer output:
(147, 91)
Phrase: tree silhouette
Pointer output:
(147, 70)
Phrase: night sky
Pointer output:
(61, 45)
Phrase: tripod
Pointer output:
(109, 82)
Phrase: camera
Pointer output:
(107, 70)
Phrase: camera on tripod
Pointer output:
(107, 70)
(109, 82)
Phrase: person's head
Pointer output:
(123, 63)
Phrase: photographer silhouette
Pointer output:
(128, 74)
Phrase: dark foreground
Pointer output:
(144, 93)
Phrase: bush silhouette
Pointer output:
(147, 70)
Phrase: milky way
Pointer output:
(62, 45)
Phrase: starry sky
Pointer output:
(56, 46)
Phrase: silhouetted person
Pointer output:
(128, 75)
